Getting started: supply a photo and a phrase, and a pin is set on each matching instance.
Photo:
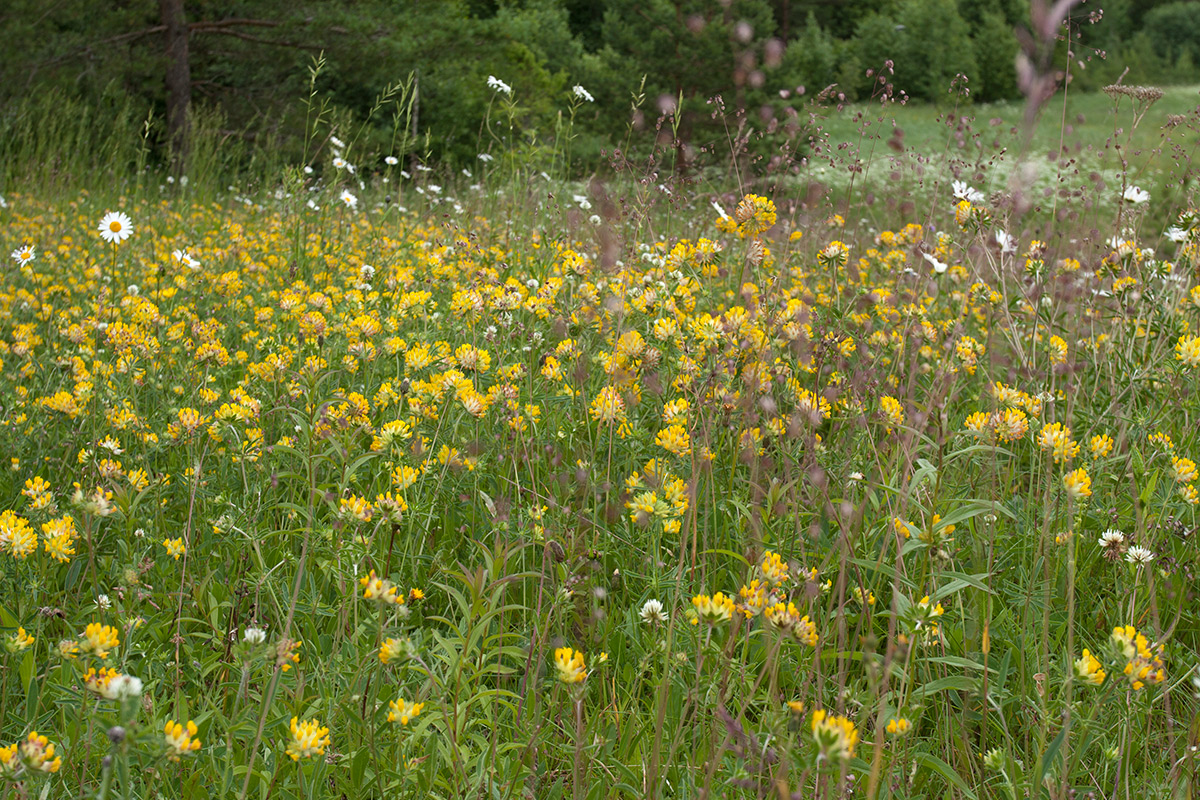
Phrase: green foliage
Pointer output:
(995, 53)
(935, 47)
(247, 62)
(1174, 31)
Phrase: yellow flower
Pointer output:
(1087, 669)
(383, 590)
(403, 711)
(1101, 445)
(755, 215)
(1187, 350)
(1056, 438)
(1183, 470)
(393, 650)
(98, 680)
(898, 726)
(174, 547)
(308, 739)
(99, 639)
(1143, 664)
(37, 753)
(835, 736)
(712, 610)
(16, 535)
(16, 642)
(10, 764)
(608, 407)
(1078, 484)
(570, 665)
(180, 739)
(893, 412)
(774, 568)
(674, 439)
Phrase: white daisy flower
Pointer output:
(963, 191)
(938, 266)
(116, 227)
(23, 255)
(1007, 242)
(183, 257)
(336, 142)
(500, 86)
(717, 207)
(339, 162)
(350, 200)
(391, 161)
(1136, 195)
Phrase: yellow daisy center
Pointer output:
(115, 226)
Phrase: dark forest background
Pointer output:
(240, 70)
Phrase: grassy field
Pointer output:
(533, 490)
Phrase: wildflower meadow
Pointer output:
(832, 471)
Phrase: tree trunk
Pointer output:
(179, 80)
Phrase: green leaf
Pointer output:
(7, 620)
(945, 770)
(729, 553)
(960, 683)
(1051, 753)
(27, 671)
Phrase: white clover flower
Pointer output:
(1176, 234)
(582, 202)
(123, 687)
(1139, 555)
(652, 613)
(595, 219)
(855, 477)
(254, 636)
(1136, 195)
(582, 94)
(103, 603)
(1111, 538)
(717, 207)
(308, 170)
(500, 86)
